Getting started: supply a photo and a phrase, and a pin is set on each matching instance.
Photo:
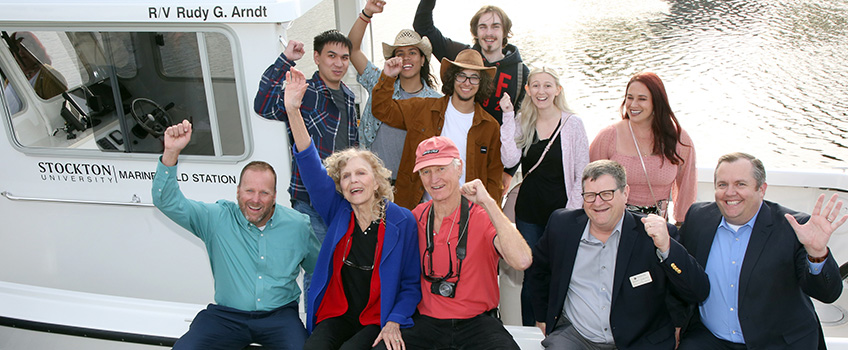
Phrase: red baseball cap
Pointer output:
(437, 150)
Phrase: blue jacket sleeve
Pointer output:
(320, 186)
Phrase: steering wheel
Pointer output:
(150, 116)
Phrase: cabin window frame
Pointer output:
(222, 152)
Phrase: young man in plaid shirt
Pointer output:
(327, 108)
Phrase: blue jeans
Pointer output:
(318, 226)
(221, 327)
(531, 233)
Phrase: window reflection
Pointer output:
(115, 91)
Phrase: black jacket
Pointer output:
(639, 316)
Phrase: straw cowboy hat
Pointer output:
(467, 59)
(408, 37)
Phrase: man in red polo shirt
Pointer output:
(462, 234)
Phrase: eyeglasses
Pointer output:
(351, 263)
(606, 196)
(473, 79)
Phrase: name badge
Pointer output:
(640, 279)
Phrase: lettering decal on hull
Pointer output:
(202, 13)
(107, 173)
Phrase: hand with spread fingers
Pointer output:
(295, 89)
(815, 234)
(657, 229)
(390, 334)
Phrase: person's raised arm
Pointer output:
(266, 102)
(177, 137)
(166, 194)
(424, 26)
(293, 96)
(509, 242)
(383, 106)
(510, 154)
(357, 31)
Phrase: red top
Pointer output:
(477, 290)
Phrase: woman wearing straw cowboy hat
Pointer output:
(415, 80)
(458, 115)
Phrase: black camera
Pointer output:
(443, 288)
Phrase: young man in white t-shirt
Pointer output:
(458, 115)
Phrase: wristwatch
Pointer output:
(818, 260)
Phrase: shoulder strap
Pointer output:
(464, 208)
(548, 147)
(645, 169)
(463, 231)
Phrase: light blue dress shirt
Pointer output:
(254, 270)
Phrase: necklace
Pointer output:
(414, 92)
(450, 228)
(368, 229)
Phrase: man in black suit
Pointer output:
(763, 266)
(601, 274)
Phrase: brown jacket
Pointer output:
(423, 118)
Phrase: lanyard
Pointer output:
(460, 249)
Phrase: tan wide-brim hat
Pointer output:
(408, 37)
(467, 59)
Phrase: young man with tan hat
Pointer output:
(458, 116)
(491, 29)
(462, 233)
(415, 80)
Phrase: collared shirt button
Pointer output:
(258, 299)
(731, 309)
(731, 286)
(262, 257)
(260, 277)
(166, 172)
(733, 262)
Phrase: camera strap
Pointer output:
(464, 208)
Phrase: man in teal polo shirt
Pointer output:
(256, 249)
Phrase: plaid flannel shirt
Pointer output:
(320, 114)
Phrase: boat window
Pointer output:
(10, 97)
(118, 91)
